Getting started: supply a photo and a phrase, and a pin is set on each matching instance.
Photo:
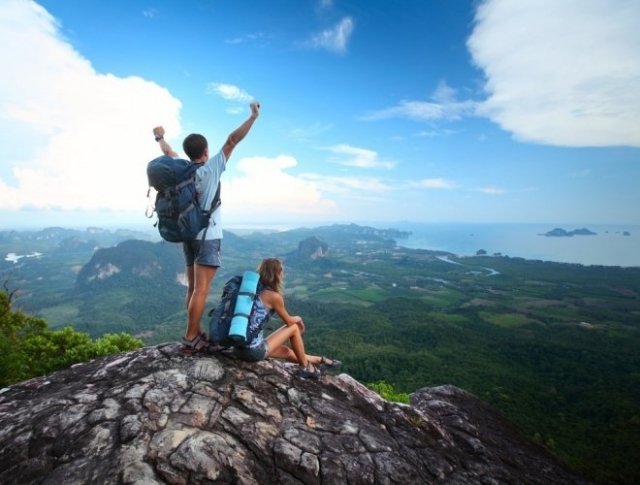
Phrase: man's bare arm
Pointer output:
(158, 132)
(239, 133)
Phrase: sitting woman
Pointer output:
(270, 301)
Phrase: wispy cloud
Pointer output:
(150, 12)
(491, 190)
(351, 156)
(433, 183)
(435, 132)
(334, 39)
(348, 184)
(561, 73)
(443, 105)
(229, 92)
(259, 37)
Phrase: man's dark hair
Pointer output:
(194, 146)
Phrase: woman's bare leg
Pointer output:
(285, 353)
(296, 353)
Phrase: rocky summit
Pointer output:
(156, 416)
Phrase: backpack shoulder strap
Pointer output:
(216, 202)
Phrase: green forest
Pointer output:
(576, 393)
(29, 348)
(553, 346)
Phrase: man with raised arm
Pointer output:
(202, 256)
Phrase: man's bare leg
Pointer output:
(202, 278)
(189, 272)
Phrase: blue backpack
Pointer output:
(180, 216)
(233, 321)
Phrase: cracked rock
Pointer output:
(157, 416)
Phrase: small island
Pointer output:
(558, 232)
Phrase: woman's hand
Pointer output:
(299, 322)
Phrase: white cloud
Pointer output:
(357, 157)
(443, 106)
(83, 137)
(491, 190)
(348, 185)
(334, 39)
(261, 186)
(358, 198)
(561, 72)
(433, 183)
(229, 92)
(259, 37)
(264, 188)
(235, 40)
(150, 12)
(434, 133)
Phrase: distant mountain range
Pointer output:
(70, 237)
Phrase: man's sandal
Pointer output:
(198, 344)
(329, 364)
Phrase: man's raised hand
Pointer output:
(255, 109)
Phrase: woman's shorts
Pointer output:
(252, 354)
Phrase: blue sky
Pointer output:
(377, 111)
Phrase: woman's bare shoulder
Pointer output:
(270, 297)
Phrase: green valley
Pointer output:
(552, 346)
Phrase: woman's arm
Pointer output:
(273, 299)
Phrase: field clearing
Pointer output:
(444, 298)
(507, 320)
(372, 295)
(478, 302)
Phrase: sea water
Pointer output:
(609, 247)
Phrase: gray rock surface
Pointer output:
(156, 416)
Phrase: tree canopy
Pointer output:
(28, 348)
